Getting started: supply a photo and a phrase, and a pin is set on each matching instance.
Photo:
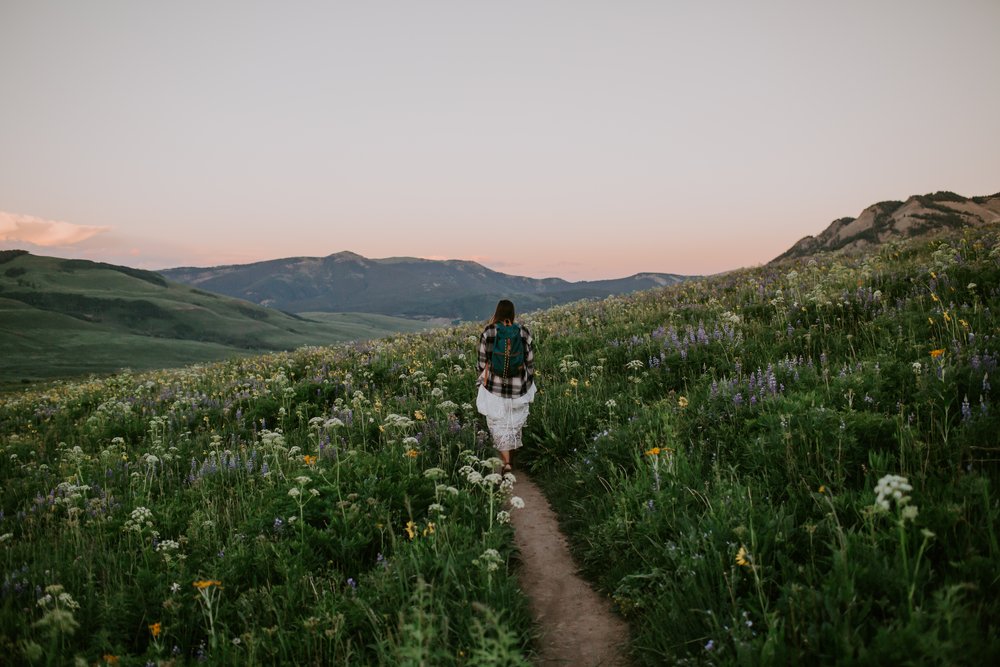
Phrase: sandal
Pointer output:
(506, 469)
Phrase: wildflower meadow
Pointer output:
(788, 463)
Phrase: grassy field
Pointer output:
(786, 465)
(365, 326)
(789, 465)
(67, 318)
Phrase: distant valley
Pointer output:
(66, 317)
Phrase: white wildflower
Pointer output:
(489, 559)
(892, 487)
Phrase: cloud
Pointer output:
(44, 233)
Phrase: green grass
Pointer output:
(715, 452)
(366, 326)
(722, 454)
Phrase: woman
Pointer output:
(506, 379)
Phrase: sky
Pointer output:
(577, 139)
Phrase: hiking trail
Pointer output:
(577, 625)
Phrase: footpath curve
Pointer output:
(577, 625)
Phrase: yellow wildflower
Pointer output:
(155, 629)
(682, 401)
(573, 382)
(655, 451)
(934, 297)
(429, 530)
(309, 460)
(822, 488)
(937, 353)
(411, 529)
(206, 583)
(419, 415)
(110, 659)
(412, 453)
(741, 557)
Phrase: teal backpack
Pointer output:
(507, 357)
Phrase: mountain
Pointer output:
(61, 317)
(919, 215)
(400, 286)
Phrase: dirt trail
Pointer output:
(577, 625)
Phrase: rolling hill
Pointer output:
(400, 286)
(60, 318)
(920, 215)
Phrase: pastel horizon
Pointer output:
(577, 140)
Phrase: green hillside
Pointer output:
(63, 318)
(795, 464)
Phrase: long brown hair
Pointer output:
(503, 313)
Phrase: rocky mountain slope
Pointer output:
(402, 286)
(919, 215)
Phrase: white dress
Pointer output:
(505, 416)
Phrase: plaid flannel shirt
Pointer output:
(511, 387)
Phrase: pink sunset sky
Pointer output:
(576, 139)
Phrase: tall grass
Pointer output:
(721, 454)
(324, 506)
(786, 464)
